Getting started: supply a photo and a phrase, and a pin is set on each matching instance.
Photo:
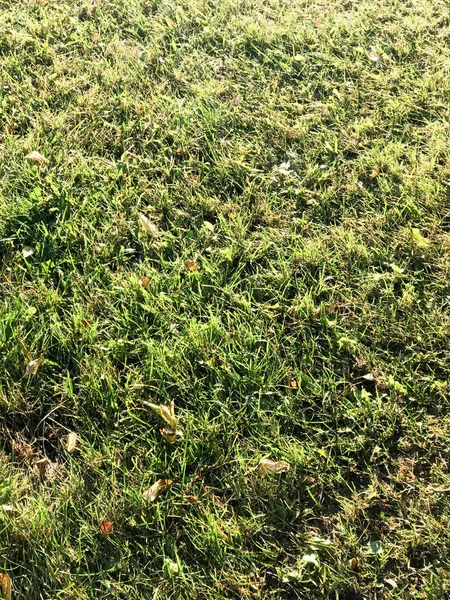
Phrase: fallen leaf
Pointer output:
(391, 582)
(42, 465)
(71, 442)
(148, 226)
(6, 583)
(37, 157)
(352, 563)
(182, 150)
(144, 281)
(27, 251)
(191, 265)
(375, 172)
(33, 366)
(310, 559)
(166, 412)
(310, 480)
(375, 547)
(106, 527)
(373, 54)
(368, 377)
(293, 384)
(208, 225)
(192, 499)
(418, 239)
(153, 492)
(267, 466)
(293, 575)
(172, 436)
(171, 566)
(25, 350)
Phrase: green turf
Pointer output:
(295, 160)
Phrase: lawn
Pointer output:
(224, 299)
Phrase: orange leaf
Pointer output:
(107, 528)
(6, 583)
(191, 265)
(144, 281)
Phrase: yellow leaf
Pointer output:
(375, 172)
(353, 563)
(71, 442)
(33, 366)
(191, 265)
(418, 239)
(6, 583)
(267, 466)
(172, 436)
(148, 226)
(166, 412)
(153, 492)
(37, 158)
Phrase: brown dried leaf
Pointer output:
(353, 563)
(6, 583)
(25, 350)
(191, 265)
(37, 158)
(106, 527)
(148, 226)
(33, 366)
(267, 466)
(71, 442)
(294, 384)
(375, 172)
(42, 465)
(153, 492)
(144, 281)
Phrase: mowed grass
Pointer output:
(295, 160)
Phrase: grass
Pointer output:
(294, 158)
